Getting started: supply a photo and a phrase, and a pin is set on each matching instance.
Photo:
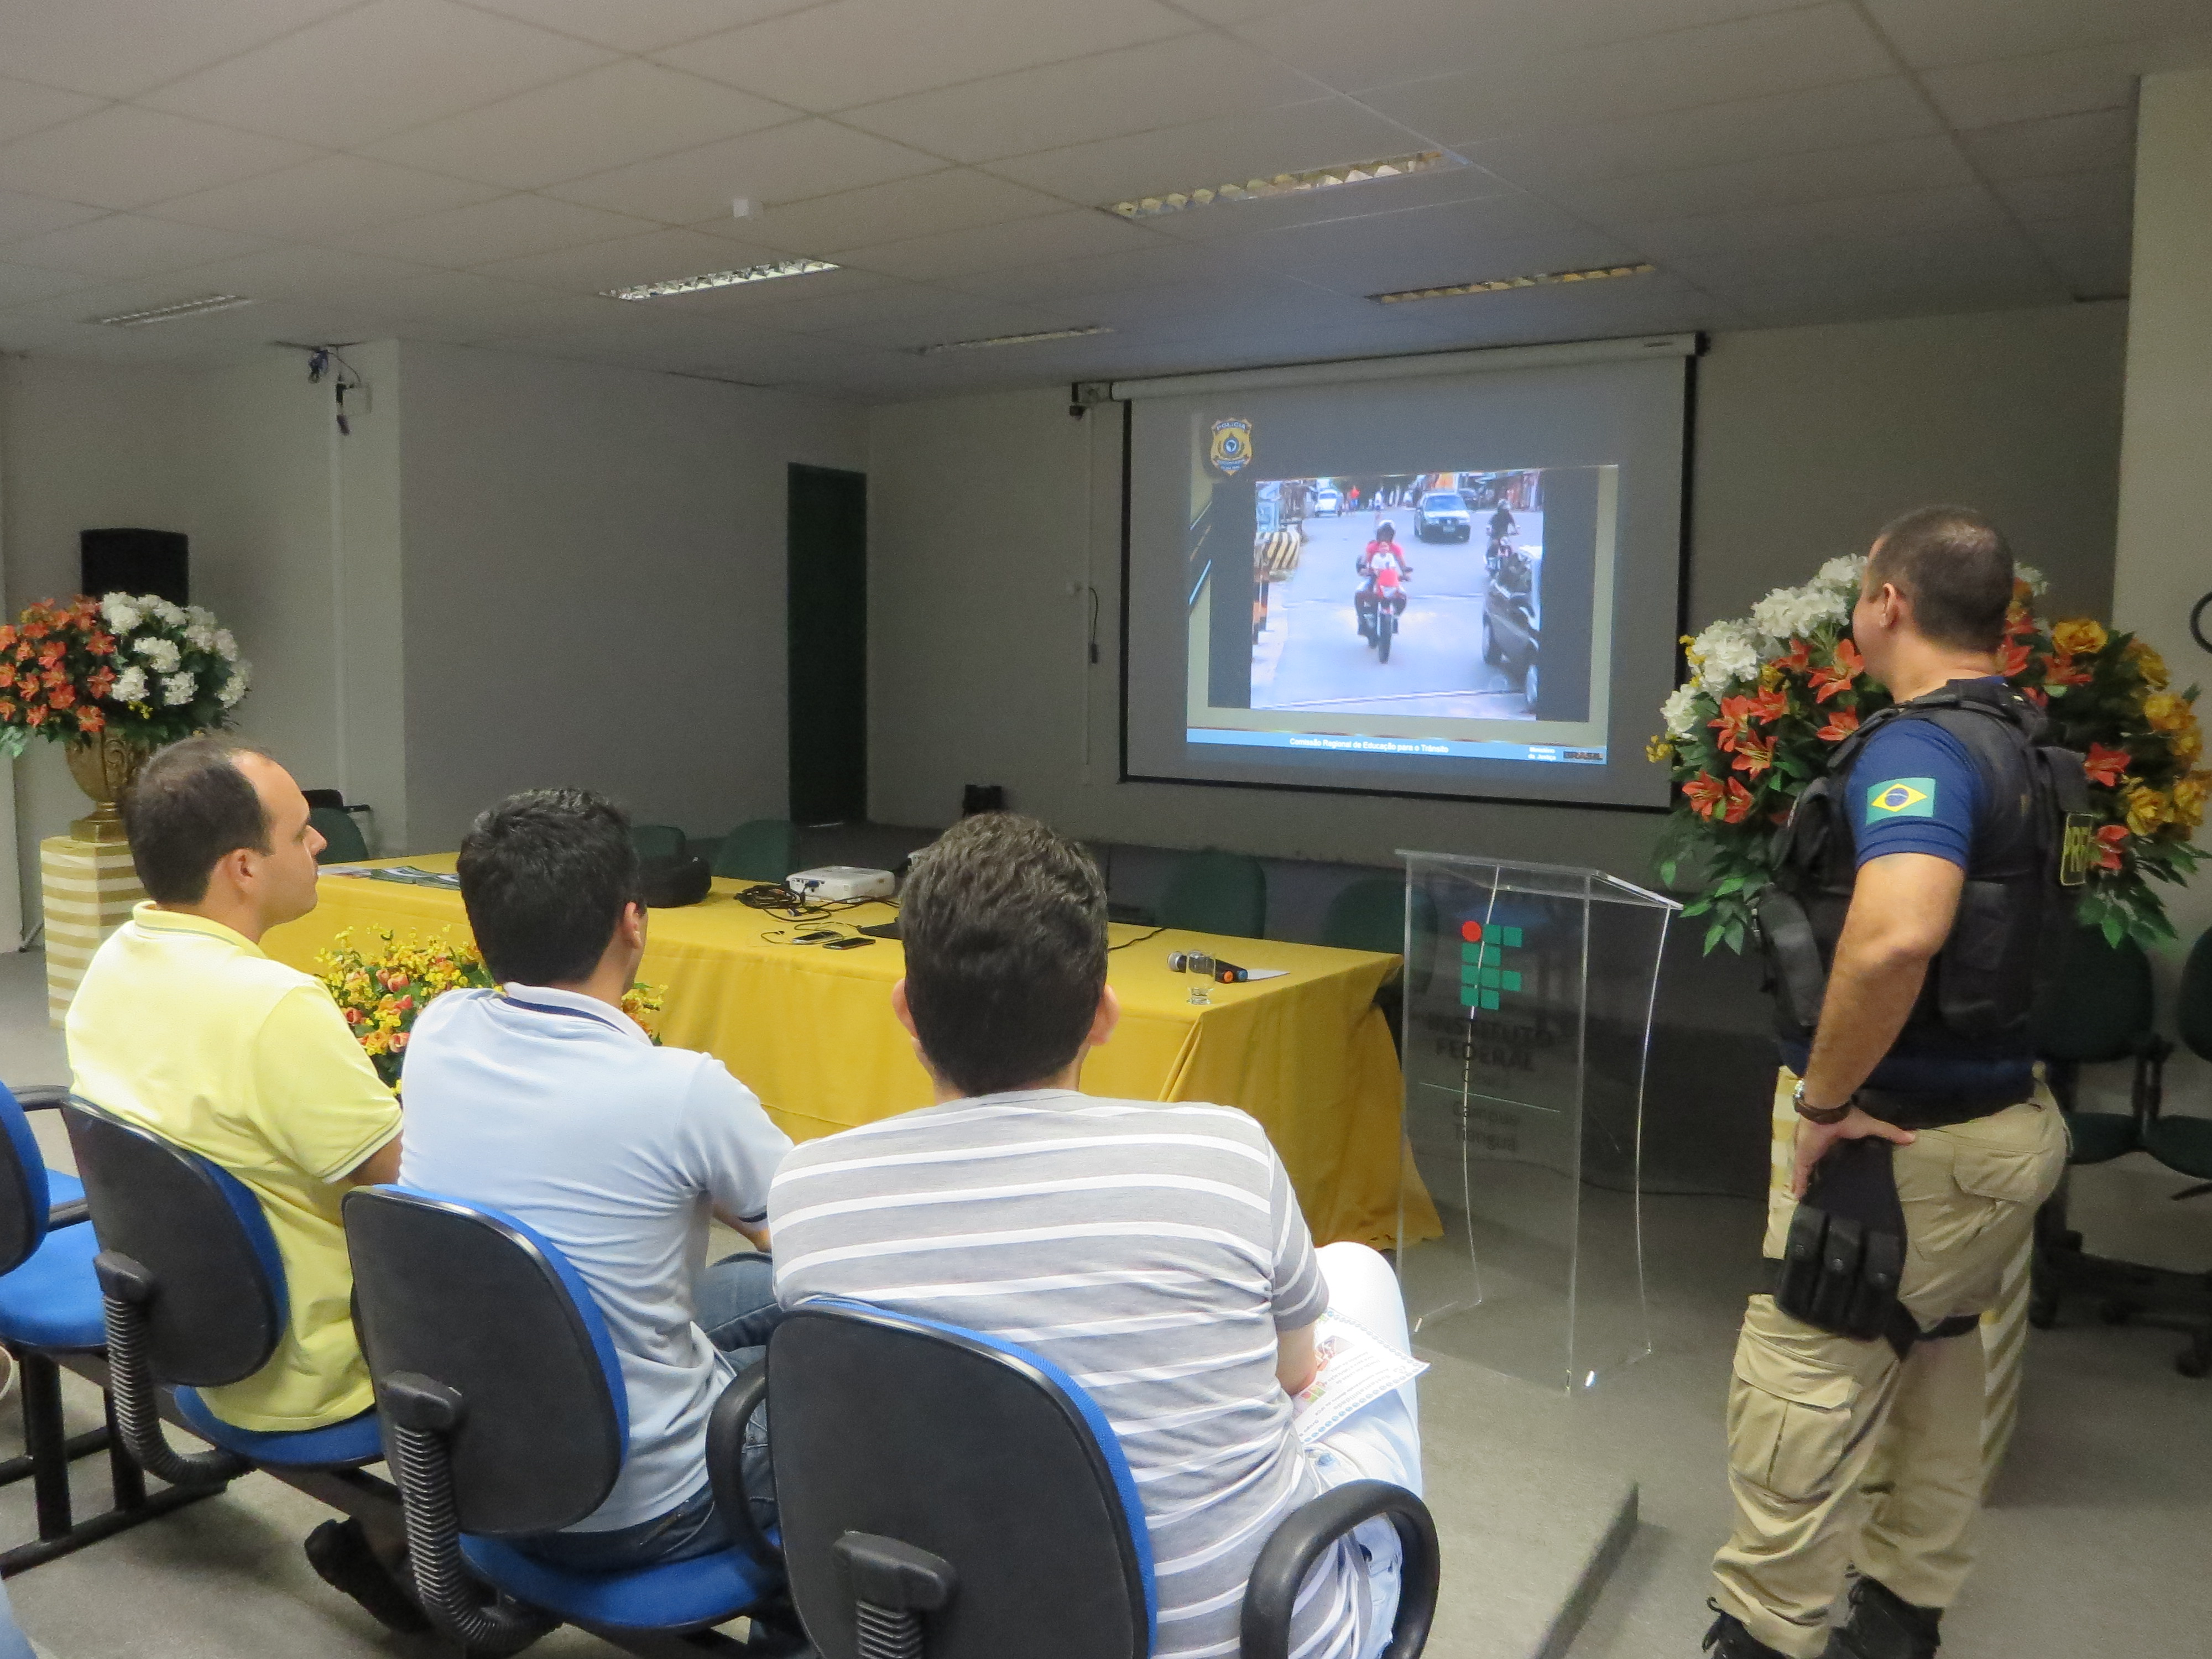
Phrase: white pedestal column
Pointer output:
(88, 887)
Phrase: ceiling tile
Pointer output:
(605, 117)
(1785, 52)
(1162, 83)
(1077, 232)
(562, 314)
(789, 163)
(119, 48)
(1161, 265)
(956, 199)
(2108, 194)
(25, 107)
(323, 198)
(304, 273)
(1772, 181)
(641, 25)
(1352, 44)
(657, 256)
(1974, 31)
(375, 69)
(34, 215)
(1821, 231)
(1320, 207)
(106, 298)
(20, 284)
(2061, 144)
(125, 157)
(850, 52)
(1440, 246)
(507, 228)
(811, 310)
(1819, 118)
(2057, 82)
(123, 245)
(1330, 132)
(2092, 255)
(964, 318)
(447, 293)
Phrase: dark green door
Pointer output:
(826, 632)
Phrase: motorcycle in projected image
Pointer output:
(1468, 650)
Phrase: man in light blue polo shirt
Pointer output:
(544, 1100)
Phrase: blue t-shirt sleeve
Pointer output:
(1913, 789)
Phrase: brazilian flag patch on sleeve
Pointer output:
(1901, 798)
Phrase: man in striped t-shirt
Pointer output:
(1154, 1252)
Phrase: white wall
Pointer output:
(237, 460)
(594, 585)
(983, 511)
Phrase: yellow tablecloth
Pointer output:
(811, 1031)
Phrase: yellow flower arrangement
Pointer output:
(382, 989)
(2079, 635)
(2146, 808)
(2164, 711)
(2190, 794)
(2149, 664)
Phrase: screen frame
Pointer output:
(1373, 367)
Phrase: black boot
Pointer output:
(339, 1552)
(1728, 1640)
(1884, 1625)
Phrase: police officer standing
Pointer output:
(1917, 893)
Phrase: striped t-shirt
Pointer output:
(1151, 1251)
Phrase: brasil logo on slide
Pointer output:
(1483, 976)
(1232, 445)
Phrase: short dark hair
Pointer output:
(1003, 923)
(544, 876)
(1955, 567)
(189, 805)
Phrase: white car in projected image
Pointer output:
(1442, 517)
(1328, 504)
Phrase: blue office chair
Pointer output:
(194, 1297)
(945, 1495)
(507, 1416)
(50, 1303)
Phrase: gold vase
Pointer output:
(104, 766)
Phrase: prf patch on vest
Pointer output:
(2079, 850)
(1901, 798)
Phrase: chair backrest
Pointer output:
(2192, 1006)
(220, 1302)
(343, 842)
(657, 841)
(2097, 1006)
(24, 1198)
(1370, 915)
(764, 849)
(1214, 892)
(973, 1449)
(480, 1303)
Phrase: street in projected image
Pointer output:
(1440, 617)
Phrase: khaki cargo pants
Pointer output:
(1840, 1455)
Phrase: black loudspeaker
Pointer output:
(156, 561)
(670, 882)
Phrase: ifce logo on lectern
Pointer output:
(1485, 950)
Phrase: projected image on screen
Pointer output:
(1452, 575)
(1414, 594)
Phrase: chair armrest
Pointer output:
(1272, 1595)
(725, 1459)
(69, 1214)
(41, 1096)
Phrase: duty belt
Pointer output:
(1920, 1111)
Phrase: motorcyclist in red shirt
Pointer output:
(1383, 565)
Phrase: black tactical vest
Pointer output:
(2028, 857)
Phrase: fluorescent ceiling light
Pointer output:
(169, 314)
(1088, 329)
(1500, 284)
(1288, 184)
(767, 273)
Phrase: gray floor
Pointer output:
(2096, 1545)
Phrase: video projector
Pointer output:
(841, 881)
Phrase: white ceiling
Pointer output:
(476, 171)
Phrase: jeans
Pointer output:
(735, 1303)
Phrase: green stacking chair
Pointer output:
(343, 842)
(657, 841)
(764, 849)
(2184, 1144)
(1216, 892)
(1370, 915)
(2096, 1010)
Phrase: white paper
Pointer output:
(1357, 1369)
(1265, 973)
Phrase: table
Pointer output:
(811, 1031)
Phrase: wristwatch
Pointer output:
(1822, 1115)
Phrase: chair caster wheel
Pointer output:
(2115, 1313)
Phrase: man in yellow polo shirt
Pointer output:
(184, 1026)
